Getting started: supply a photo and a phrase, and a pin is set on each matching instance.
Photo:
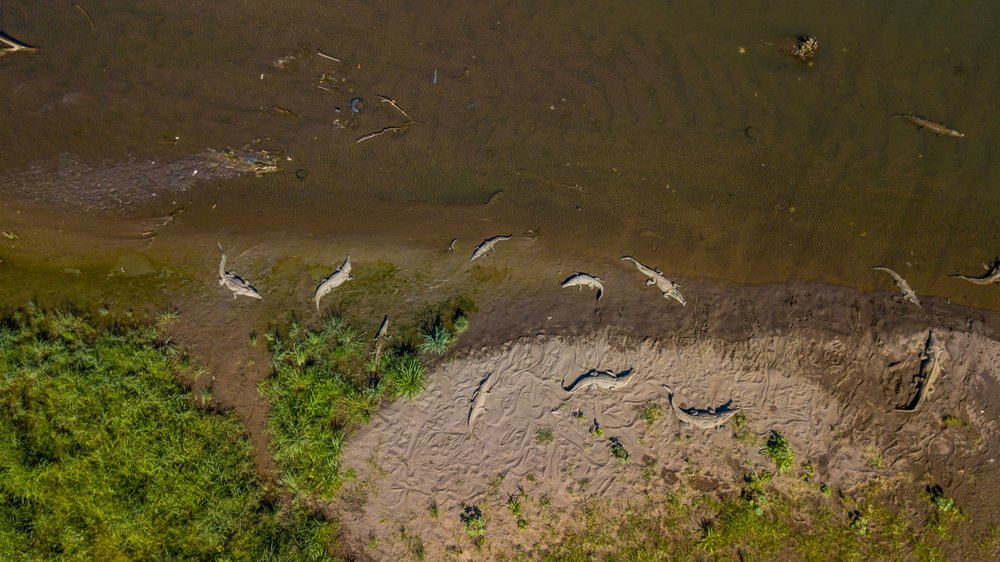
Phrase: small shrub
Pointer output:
(461, 324)
(650, 412)
(859, 524)
(826, 490)
(953, 421)
(544, 435)
(753, 491)
(596, 430)
(514, 505)
(432, 509)
(779, 451)
(437, 340)
(808, 472)
(473, 522)
(618, 451)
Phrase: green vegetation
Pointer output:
(436, 340)
(596, 430)
(544, 435)
(741, 428)
(953, 421)
(779, 451)
(759, 522)
(650, 412)
(514, 505)
(104, 456)
(320, 391)
(618, 451)
(473, 523)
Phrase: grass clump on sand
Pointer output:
(544, 435)
(104, 456)
(321, 388)
(779, 451)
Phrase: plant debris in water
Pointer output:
(805, 48)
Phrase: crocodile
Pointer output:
(340, 276)
(479, 400)
(930, 368)
(380, 340)
(709, 418)
(932, 126)
(669, 289)
(487, 245)
(908, 293)
(233, 282)
(581, 279)
(992, 275)
(604, 380)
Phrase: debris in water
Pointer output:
(10, 45)
(805, 49)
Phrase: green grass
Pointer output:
(757, 522)
(436, 340)
(544, 435)
(320, 390)
(650, 412)
(104, 456)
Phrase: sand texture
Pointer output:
(832, 397)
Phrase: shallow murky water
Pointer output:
(677, 132)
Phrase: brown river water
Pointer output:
(679, 132)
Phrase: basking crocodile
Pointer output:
(930, 368)
(380, 338)
(487, 245)
(334, 280)
(234, 282)
(908, 293)
(585, 280)
(604, 380)
(478, 402)
(669, 288)
(992, 275)
(709, 418)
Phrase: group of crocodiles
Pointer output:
(669, 288)
(706, 418)
(241, 287)
(991, 276)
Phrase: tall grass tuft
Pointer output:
(105, 457)
(322, 387)
(436, 340)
